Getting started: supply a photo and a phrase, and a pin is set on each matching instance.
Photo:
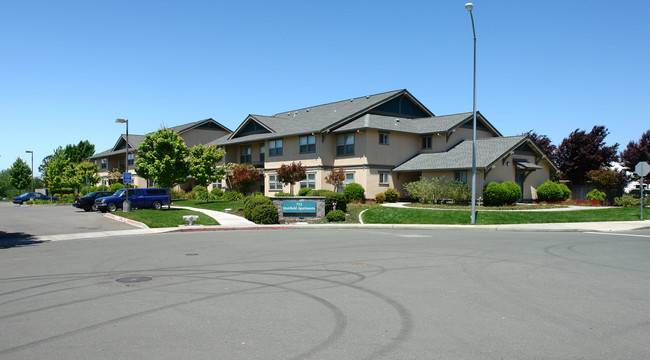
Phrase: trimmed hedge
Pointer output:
(354, 192)
(265, 214)
(117, 186)
(232, 196)
(330, 198)
(335, 216)
(392, 195)
(380, 198)
(499, 194)
(553, 192)
(251, 202)
(305, 191)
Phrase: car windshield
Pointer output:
(120, 192)
(26, 194)
(90, 194)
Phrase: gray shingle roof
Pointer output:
(428, 125)
(312, 119)
(488, 151)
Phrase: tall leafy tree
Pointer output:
(336, 177)
(291, 174)
(582, 152)
(161, 158)
(55, 172)
(244, 176)
(80, 152)
(6, 189)
(80, 174)
(20, 175)
(544, 143)
(203, 164)
(635, 152)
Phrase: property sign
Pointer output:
(126, 178)
(298, 207)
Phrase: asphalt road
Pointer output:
(329, 294)
(26, 221)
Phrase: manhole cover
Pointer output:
(133, 279)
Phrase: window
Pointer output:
(460, 176)
(131, 159)
(309, 181)
(275, 147)
(104, 163)
(262, 152)
(426, 142)
(345, 144)
(274, 185)
(217, 185)
(307, 144)
(245, 154)
(349, 178)
(383, 177)
(383, 138)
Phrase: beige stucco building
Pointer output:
(383, 141)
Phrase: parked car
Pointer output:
(20, 199)
(153, 198)
(87, 202)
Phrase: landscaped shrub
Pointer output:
(629, 200)
(425, 190)
(178, 194)
(457, 191)
(380, 198)
(116, 186)
(251, 202)
(354, 192)
(283, 194)
(596, 195)
(331, 197)
(265, 214)
(200, 192)
(553, 192)
(335, 216)
(305, 191)
(512, 192)
(494, 194)
(392, 195)
(232, 196)
(216, 193)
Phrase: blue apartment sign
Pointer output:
(126, 178)
(298, 207)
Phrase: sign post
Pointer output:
(642, 169)
(126, 179)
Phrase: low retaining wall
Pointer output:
(302, 207)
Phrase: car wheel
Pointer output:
(156, 205)
(94, 207)
(111, 207)
(87, 209)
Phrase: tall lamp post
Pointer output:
(32, 152)
(469, 7)
(127, 205)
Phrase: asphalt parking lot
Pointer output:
(329, 294)
(26, 221)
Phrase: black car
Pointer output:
(87, 202)
(20, 199)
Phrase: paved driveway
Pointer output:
(329, 294)
(26, 221)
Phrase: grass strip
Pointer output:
(236, 206)
(166, 217)
(386, 215)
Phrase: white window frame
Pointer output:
(384, 178)
(275, 147)
(344, 141)
(104, 163)
(346, 182)
(383, 138)
(461, 176)
(309, 181)
(274, 185)
(307, 144)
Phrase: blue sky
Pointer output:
(70, 68)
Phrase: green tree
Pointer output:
(203, 165)
(56, 170)
(161, 158)
(20, 175)
(77, 174)
(80, 152)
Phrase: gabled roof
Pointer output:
(316, 119)
(428, 125)
(135, 140)
(488, 152)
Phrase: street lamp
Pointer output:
(469, 7)
(126, 207)
(32, 152)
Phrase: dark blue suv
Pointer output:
(153, 198)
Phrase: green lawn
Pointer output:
(386, 215)
(236, 206)
(166, 217)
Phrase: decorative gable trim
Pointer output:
(250, 119)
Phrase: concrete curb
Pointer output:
(127, 221)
